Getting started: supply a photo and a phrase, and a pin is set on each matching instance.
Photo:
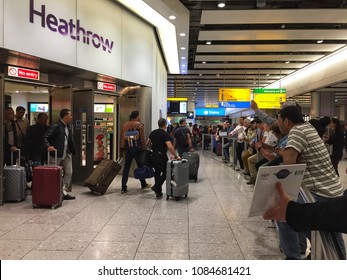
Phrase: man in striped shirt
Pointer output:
(305, 146)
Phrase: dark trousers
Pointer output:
(239, 149)
(182, 149)
(335, 163)
(260, 163)
(159, 161)
(129, 156)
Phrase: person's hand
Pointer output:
(258, 145)
(278, 212)
(279, 151)
(254, 105)
(50, 149)
(13, 149)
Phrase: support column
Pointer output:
(342, 115)
(327, 101)
(315, 105)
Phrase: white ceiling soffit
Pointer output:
(255, 35)
(246, 57)
(269, 48)
(157, 13)
(293, 65)
(244, 72)
(274, 16)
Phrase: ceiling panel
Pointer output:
(274, 16)
(269, 48)
(284, 57)
(255, 35)
(248, 45)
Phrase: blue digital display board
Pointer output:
(212, 112)
(231, 104)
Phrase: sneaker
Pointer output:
(158, 195)
(246, 173)
(68, 197)
(123, 191)
(146, 186)
(251, 181)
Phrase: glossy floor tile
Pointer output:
(211, 223)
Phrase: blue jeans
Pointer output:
(226, 150)
(129, 156)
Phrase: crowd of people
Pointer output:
(261, 141)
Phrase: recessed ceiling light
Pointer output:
(283, 26)
(287, 62)
(320, 41)
(183, 65)
(183, 57)
(203, 62)
(198, 82)
(183, 48)
(182, 34)
(183, 71)
(200, 74)
(172, 17)
(194, 93)
(208, 43)
(267, 75)
(221, 4)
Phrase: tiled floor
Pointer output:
(211, 223)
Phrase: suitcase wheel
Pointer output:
(196, 178)
(186, 195)
(167, 197)
(177, 198)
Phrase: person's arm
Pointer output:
(50, 134)
(172, 150)
(290, 156)
(141, 129)
(328, 215)
(189, 140)
(261, 115)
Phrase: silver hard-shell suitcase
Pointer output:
(177, 178)
(14, 182)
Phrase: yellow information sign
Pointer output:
(234, 95)
(269, 100)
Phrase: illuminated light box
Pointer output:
(234, 97)
(38, 107)
(213, 112)
(269, 98)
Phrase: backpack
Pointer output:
(132, 138)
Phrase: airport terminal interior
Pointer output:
(204, 61)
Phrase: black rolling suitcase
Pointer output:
(194, 162)
(103, 175)
(177, 178)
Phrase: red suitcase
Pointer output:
(47, 186)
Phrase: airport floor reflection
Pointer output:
(211, 223)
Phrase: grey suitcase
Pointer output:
(177, 178)
(194, 162)
(14, 182)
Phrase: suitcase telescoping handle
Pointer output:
(55, 157)
(18, 150)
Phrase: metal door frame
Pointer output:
(2, 92)
(83, 132)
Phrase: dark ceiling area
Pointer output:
(255, 43)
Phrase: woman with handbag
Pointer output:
(160, 142)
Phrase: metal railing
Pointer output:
(324, 245)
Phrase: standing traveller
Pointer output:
(182, 138)
(132, 142)
(35, 149)
(10, 137)
(59, 137)
(337, 142)
(160, 142)
(22, 124)
(240, 132)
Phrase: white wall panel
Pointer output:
(103, 53)
(1, 23)
(137, 46)
(42, 37)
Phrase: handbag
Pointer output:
(143, 172)
(145, 157)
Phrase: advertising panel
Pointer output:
(269, 98)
